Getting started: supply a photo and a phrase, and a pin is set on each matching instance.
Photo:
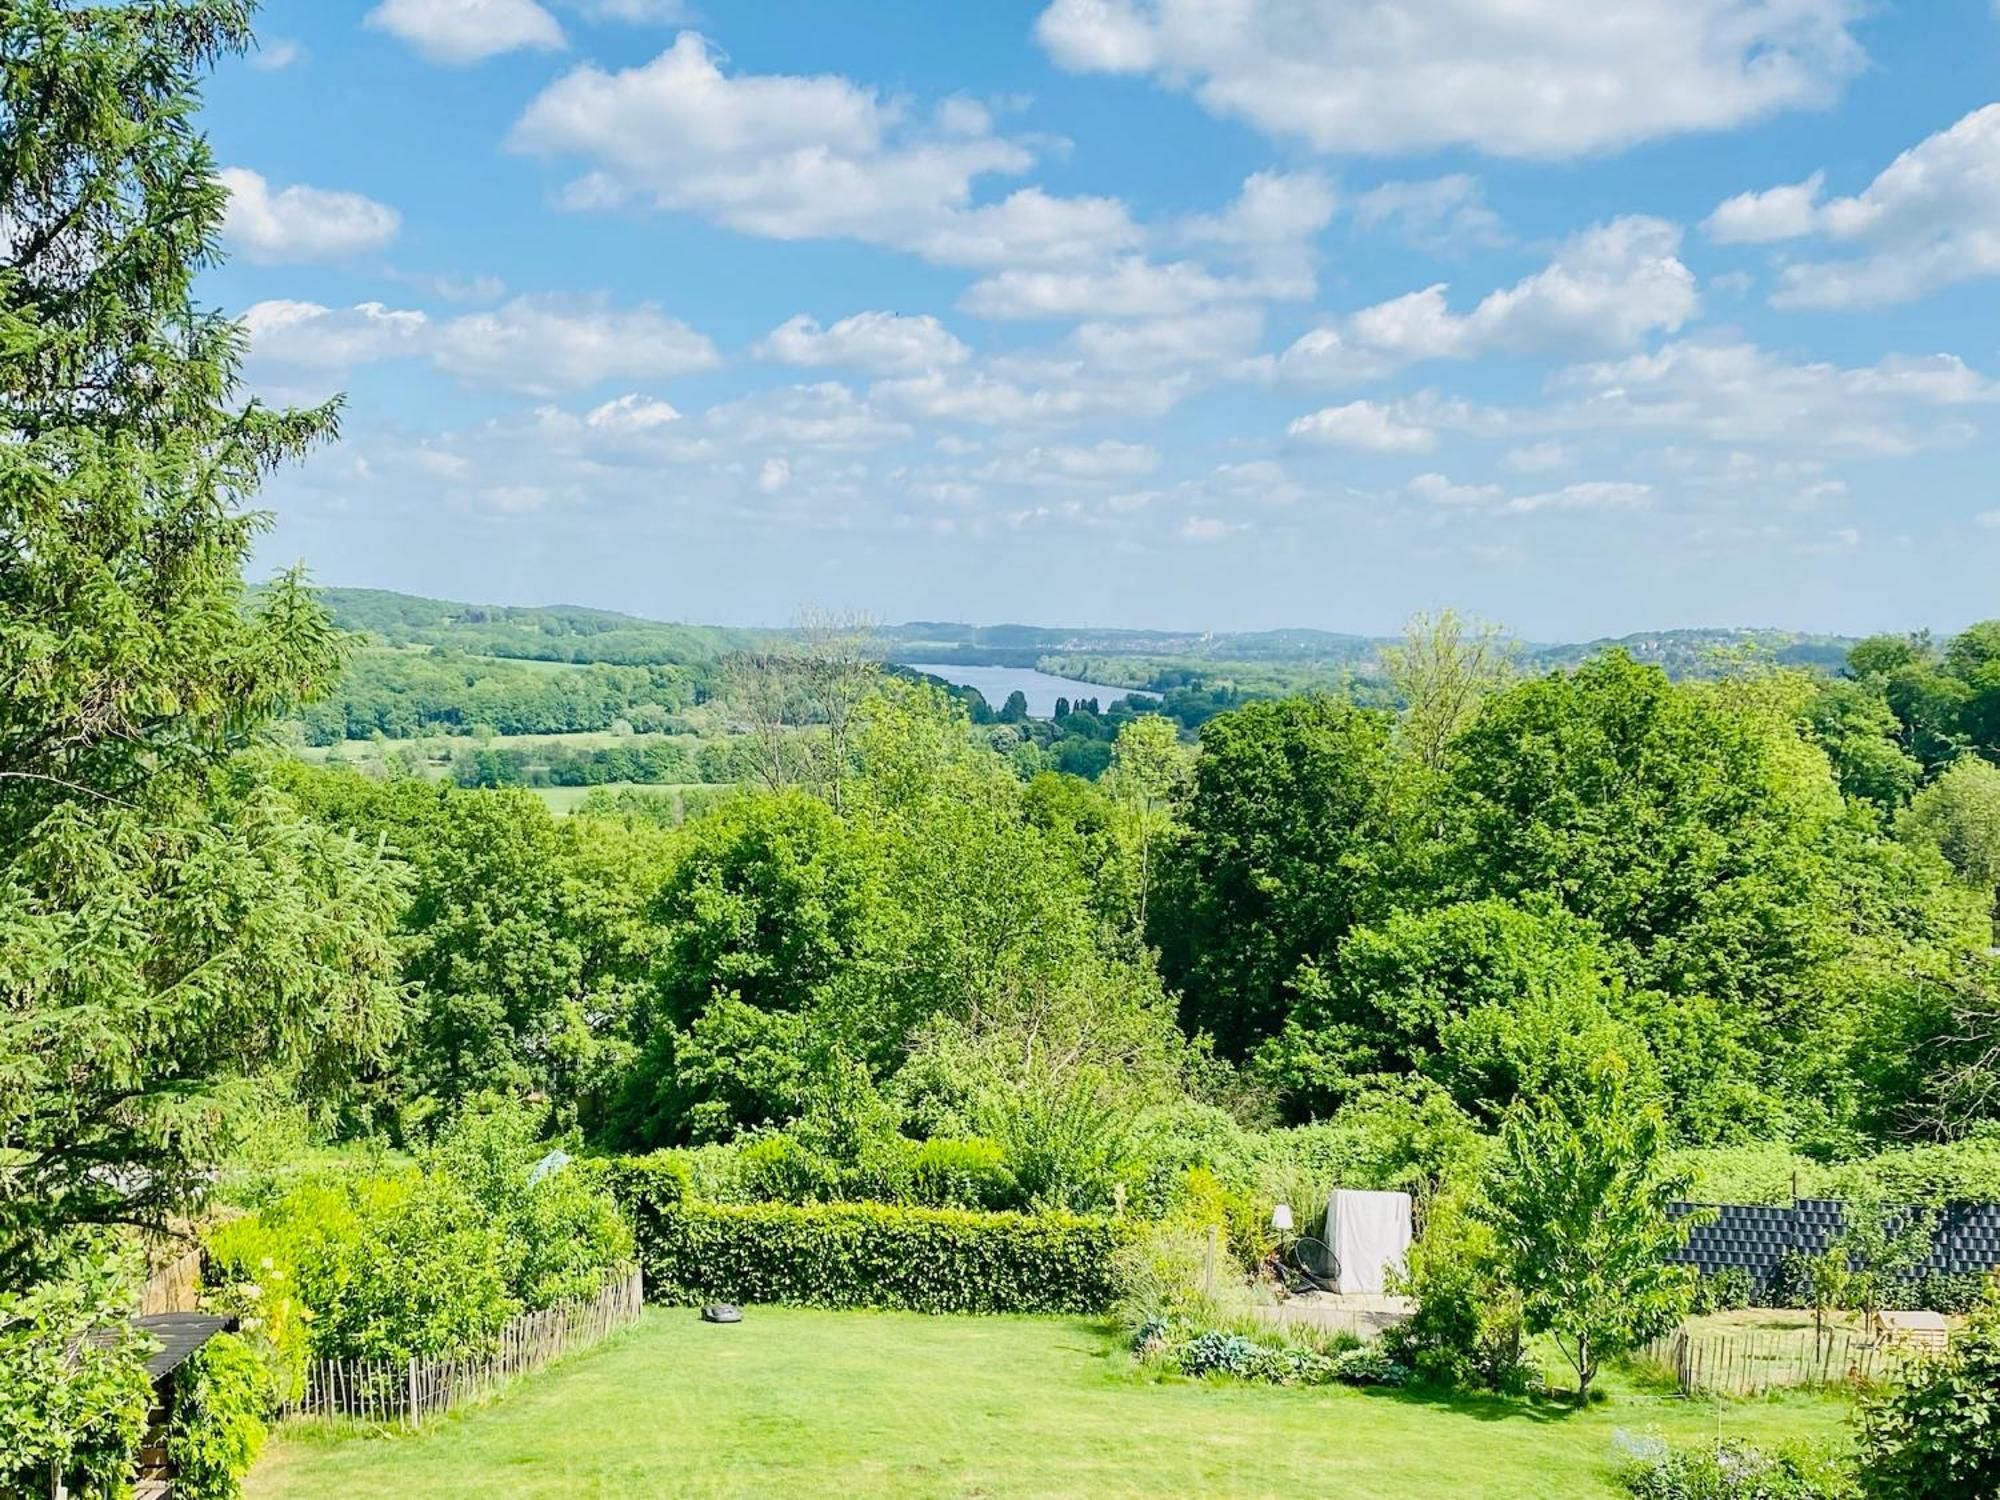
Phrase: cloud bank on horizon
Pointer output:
(1586, 318)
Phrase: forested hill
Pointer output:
(557, 632)
(574, 633)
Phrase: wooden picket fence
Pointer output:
(408, 1393)
(1755, 1363)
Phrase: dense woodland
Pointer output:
(1776, 887)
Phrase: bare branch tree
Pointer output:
(800, 697)
(1445, 668)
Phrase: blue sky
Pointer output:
(1584, 318)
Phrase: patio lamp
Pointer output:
(1281, 1218)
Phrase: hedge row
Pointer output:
(879, 1255)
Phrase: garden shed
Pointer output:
(178, 1338)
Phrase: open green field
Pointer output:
(564, 800)
(803, 1402)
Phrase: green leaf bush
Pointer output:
(880, 1255)
(221, 1396)
(1188, 1346)
(248, 1282)
(1736, 1471)
(1935, 1434)
(428, 1262)
(72, 1406)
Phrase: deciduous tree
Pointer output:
(1578, 1198)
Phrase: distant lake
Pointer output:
(995, 684)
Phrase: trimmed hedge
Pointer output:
(879, 1255)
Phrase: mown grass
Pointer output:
(802, 1402)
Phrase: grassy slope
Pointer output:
(801, 1402)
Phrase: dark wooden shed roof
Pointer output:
(178, 1336)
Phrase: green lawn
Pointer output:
(800, 1402)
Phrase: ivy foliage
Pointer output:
(222, 1395)
(73, 1387)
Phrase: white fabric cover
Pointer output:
(1370, 1233)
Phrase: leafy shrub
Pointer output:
(962, 1173)
(646, 1186)
(1467, 1330)
(1955, 1294)
(1734, 1471)
(421, 1273)
(71, 1407)
(560, 1229)
(1371, 1364)
(421, 1264)
(1069, 1139)
(1157, 1272)
(1213, 1352)
(1935, 1435)
(778, 1169)
(385, 1267)
(221, 1396)
(246, 1281)
(1196, 1350)
(880, 1255)
(945, 1172)
(1728, 1289)
(1964, 1171)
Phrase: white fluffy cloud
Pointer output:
(1133, 287)
(827, 415)
(1929, 220)
(275, 53)
(1736, 393)
(794, 157)
(1493, 499)
(1716, 395)
(1606, 289)
(1068, 463)
(1779, 213)
(1595, 494)
(639, 12)
(1025, 392)
(1441, 215)
(1028, 227)
(309, 337)
(1366, 426)
(881, 343)
(458, 32)
(1211, 336)
(1522, 78)
(301, 223)
(1269, 229)
(546, 345)
(632, 413)
(1544, 457)
(535, 345)
(1436, 489)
